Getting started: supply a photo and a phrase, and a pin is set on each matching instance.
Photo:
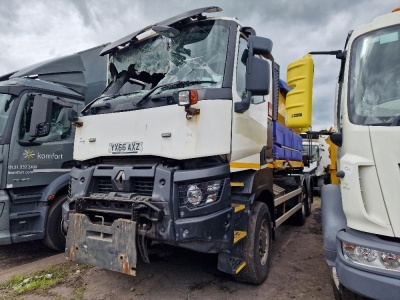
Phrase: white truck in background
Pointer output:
(360, 216)
(316, 158)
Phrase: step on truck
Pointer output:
(360, 216)
(35, 167)
(180, 150)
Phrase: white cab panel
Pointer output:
(249, 132)
(204, 135)
(386, 148)
(364, 204)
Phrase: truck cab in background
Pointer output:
(360, 216)
(317, 161)
(34, 172)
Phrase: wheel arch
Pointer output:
(258, 186)
(56, 187)
(267, 197)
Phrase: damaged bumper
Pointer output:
(114, 220)
(109, 247)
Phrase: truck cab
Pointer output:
(34, 172)
(317, 161)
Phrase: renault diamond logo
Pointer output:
(119, 179)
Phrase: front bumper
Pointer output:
(110, 247)
(110, 216)
(368, 281)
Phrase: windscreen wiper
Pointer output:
(86, 108)
(173, 85)
(123, 77)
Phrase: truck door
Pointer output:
(7, 112)
(249, 129)
(38, 161)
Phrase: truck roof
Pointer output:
(168, 22)
(39, 84)
(83, 73)
(389, 19)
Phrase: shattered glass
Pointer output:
(151, 57)
(198, 53)
(374, 83)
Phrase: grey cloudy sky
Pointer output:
(33, 31)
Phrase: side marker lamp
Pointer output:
(186, 99)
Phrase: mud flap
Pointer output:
(109, 247)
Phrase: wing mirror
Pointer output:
(257, 70)
(41, 114)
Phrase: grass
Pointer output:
(79, 293)
(40, 281)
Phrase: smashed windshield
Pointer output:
(6, 102)
(198, 53)
(374, 83)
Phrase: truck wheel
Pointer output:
(257, 246)
(309, 201)
(54, 237)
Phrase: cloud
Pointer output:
(38, 30)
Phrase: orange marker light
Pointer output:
(194, 97)
(396, 9)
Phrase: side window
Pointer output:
(241, 75)
(60, 126)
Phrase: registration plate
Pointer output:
(125, 147)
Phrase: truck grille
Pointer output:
(104, 184)
(141, 185)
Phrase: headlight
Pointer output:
(369, 257)
(200, 194)
(194, 195)
(390, 260)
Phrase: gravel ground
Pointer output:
(298, 271)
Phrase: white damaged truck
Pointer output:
(183, 149)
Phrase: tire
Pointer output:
(299, 217)
(54, 237)
(309, 201)
(257, 246)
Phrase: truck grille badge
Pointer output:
(119, 180)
